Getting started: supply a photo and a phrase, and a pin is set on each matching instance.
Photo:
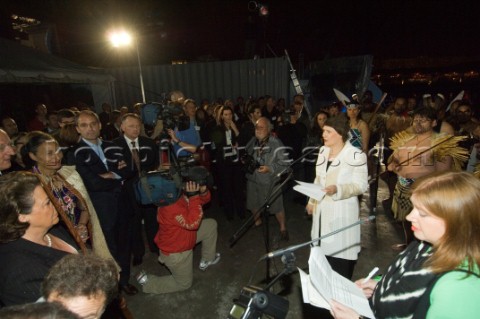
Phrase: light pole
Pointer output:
(123, 38)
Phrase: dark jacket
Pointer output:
(149, 155)
(90, 166)
(224, 153)
(24, 265)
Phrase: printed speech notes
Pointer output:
(323, 284)
(311, 190)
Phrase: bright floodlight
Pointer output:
(123, 38)
(120, 38)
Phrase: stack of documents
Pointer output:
(323, 284)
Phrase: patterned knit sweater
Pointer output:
(398, 293)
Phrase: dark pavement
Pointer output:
(213, 290)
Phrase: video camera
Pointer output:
(163, 188)
(170, 114)
(190, 173)
(173, 117)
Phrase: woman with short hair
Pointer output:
(342, 172)
(29, 246)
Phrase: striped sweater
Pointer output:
(398, 293)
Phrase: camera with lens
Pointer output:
(188, 173)
(197, 174)
(173, 117)
(249, 163)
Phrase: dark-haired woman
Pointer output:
(230, 174)
(314, 139)
(28, 247)
(359, 131)
(30, 244)
(43, 156)
(342, 172)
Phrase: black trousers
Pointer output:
(124, 235)
(342, 266)
(233, 185)
(147, 213)
(107, 211)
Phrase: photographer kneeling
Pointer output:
(181, 227)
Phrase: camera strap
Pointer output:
(260, 145)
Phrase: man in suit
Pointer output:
(141, 155)
(101, 167)
(105, 115)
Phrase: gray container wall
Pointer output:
(210, 80)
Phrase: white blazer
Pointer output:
(348, 171)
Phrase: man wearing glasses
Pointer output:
(419, 151)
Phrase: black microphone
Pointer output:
(280, 252)
(287, 170)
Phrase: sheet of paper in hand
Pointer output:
(314, 191)
(323, 284)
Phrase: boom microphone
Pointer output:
(287, 170)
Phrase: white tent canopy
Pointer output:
(20, 64)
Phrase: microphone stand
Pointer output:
(263, 302)
(295, 247)
(378, 162)
(264, 210)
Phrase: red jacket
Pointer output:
(179, 222)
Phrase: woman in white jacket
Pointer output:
(342, 171)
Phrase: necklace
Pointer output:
(65, 198)
(49, 240)
(48, 178)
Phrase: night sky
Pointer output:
(219, 29)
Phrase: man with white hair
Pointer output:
(270, 160)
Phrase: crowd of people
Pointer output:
(68, 188)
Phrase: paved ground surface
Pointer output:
(213, 290)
